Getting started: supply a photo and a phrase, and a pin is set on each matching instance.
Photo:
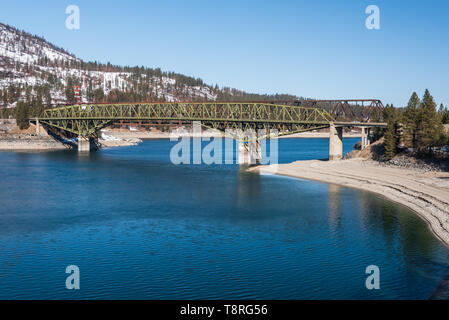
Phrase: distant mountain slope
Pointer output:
(34, 70)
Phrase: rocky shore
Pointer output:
(423, 165)
(119, 142)
(27, 142)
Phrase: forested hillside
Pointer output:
(41, 74)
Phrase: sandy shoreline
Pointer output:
(426, 193)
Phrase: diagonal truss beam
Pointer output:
(287, 119)
(87, 119)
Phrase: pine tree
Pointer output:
(69, 91)
(377, 132)
(444, 113)
(392, 138)
(22, 114)
(38, 106)
(390, 144)
(411, 120)
(98, 95)
(429, 126)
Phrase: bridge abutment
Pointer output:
(335, 142)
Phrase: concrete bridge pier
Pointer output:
(40, 130)
(335, 142)
(249, 153)
(84, 144)
(365, 137)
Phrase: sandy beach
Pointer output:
(426, 193)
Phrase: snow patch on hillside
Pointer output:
(29, 61)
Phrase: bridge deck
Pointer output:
(360, 124)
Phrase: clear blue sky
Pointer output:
(318, 49)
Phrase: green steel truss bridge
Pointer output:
(287, 118)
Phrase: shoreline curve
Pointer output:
(425, 193)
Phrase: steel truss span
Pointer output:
(88, 119)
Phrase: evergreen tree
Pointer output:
(429, 126)
(377, 132)
(69, 91)
(98, 95)
(38, 106)
(390, 143)
(411, 120)
(392, 138)
(22, 114)
(444, 113)
(47, 94)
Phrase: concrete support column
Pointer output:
(335, 142)
(243, 156)
(365, 137)
(249, 153)
(40, 131)
(83, 144)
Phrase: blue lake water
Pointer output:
(139, 227)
